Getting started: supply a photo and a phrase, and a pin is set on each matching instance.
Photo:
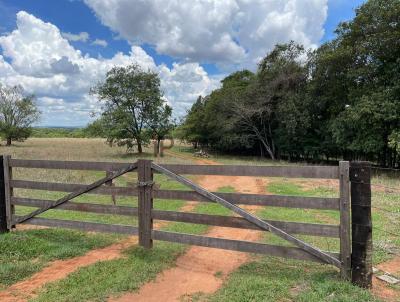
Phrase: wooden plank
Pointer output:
(250, 217)
(145, 202)
(77, 193)
(238, 245)
(361, 257)
(3, 211)
(345, 242)
(68, 165)
(63, 187)
(329, 172)
(82, 225)
(8, 190)
(312, 229)
(77, 206)
(255, 199)
(236, 198)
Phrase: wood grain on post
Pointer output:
(3, 212)
(8, 190)
(361, 258)
(345, 240)
(145, 203)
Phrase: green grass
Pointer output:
(110, 278)
(288, 187)
(274, 279)
(103, 279)
(26, 252)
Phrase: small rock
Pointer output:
(389, 279)
(375, 270)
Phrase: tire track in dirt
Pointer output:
(202, 269)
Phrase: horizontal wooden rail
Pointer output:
(77, 206)
(67, 165)
(329, 172)
(238, 245)
(256, 199)
(215, 220)
(64, 187)
(312, 229)
(82, 225)
(237, 198)
(233, 170)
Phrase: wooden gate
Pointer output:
(146, 192)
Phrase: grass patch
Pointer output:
(26, 252)
(108, 278)
(274, 279)
(103, 279)
(288, 187)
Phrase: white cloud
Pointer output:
(100, 42)
(220, 31)
(41, 60)
(82, 36)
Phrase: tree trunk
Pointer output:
(8, 141)
(139, 146)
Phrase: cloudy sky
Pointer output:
(59, 49)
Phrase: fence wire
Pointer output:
(377, 185)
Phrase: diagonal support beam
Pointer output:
(75, 194)
(251, 218)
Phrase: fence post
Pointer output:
(345, 229)
(361, 257)
(3, 212)
(145, 204)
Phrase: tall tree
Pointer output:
(18, 112)
(130, 97)
(160, 123)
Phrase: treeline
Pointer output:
(340, 101)
(59, 132)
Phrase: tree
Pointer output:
(18, 112)
(193, 128)
(95, 129)
(160, 123)
(130, 98)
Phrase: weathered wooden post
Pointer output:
(361, 257)
(145, 202)
(345, 229)
(3, 212)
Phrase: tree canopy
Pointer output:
(133, 108)
(341, 100)
(18, 112)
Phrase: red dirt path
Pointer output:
(57, 270)
(380, 288)
(202, 269)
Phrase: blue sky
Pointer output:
(58, 49)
